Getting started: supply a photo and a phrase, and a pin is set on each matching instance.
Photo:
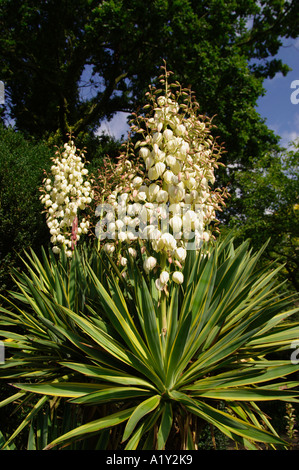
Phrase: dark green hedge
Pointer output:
(22, 224)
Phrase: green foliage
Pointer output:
(78, 333)
(269, 209)
(21, 222)
(67, 66)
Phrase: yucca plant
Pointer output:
(140, 342)
(98, 370)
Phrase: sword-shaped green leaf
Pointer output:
(93, 427)
(109, 375)
(145, 407)
(109, 394)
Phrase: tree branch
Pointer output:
(98, 105)
(256, 35)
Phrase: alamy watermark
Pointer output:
(2, 353)
(295, 94)
(2, 93)
(295, 354)
(149, 221)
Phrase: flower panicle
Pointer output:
(167, 173)
(66, 191)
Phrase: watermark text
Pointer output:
(295, 94)
(2, 353)
(2, 93)
(295, 354)
(150, 220)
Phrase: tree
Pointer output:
(47, 49)
(269, 209)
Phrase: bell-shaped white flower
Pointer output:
(109, 248)
(206, 236)
(168, 241)
(159, 285)
(123, 261)
(156, 171)
(137, 181)
(176, 223)
(122, 236)
(144, 152)
(142, 193)
(153, 174)
(180, 129)
(153, 190)
(176, 193)
(167, 134)
(157, 138)
(178, 277)
(132, 252)
(162, 196)
(149, 162)
(164, 277)
(180, 254)
(168, 177)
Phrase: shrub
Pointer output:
(22, 225)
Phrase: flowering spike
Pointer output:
(66, 191)
(169, 205)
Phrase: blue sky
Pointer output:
(117, 127)
(282, 116)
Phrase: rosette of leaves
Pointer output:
(80, 337)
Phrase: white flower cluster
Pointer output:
(64, 194)
(170, 202)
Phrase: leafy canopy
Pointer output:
(70, 65)
(269, 209)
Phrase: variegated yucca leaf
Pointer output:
(80, 335)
